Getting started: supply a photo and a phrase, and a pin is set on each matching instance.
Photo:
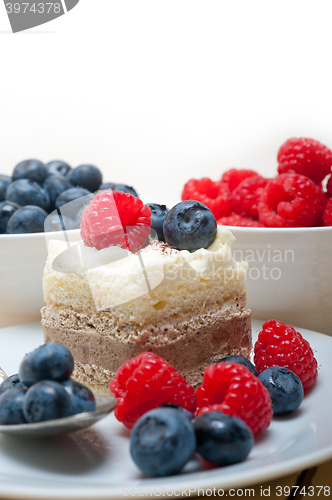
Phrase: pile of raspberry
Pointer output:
(300, 195)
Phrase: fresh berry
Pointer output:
(158, 216)
(86, 176)
(59, 222)
(10, 383)
(232, 389)
(55, 184)
(190, 225)
(7, 208)
(246, 196)
(115, 218)
(46, 400)
(186, 413)
(28, 192)
(281, 345)
(28, 219)
(327, 215)
(237, 220)
(305, 157)
(57, 167)
(285, 389)
(222, 439)
(82, 399)
(48, 362)
(11, 407)
(215, 195)
(70, 195)
(147, 382)
(105, 186)
(329, 187)
(34, 170)
(233, 177)
(232, 358)
(5, 180)
(291, 200)
(125, 189)
(162, 442)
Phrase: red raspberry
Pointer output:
(237, 220)
(246, 196)
(146, 382)
(235, 176)
(329, 187)
(232, 389)
(306, 157)
(327, 215)
(291, 200)
(281, 345)
(215, 195)
(115, 218)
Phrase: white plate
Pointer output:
(95, 463)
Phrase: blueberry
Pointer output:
(46, 400)
(70, 195)
(5, 180)
(56, 222)
(29, 219)
(27, 192)
(190, 225)
(285, 389)
(48, 362)
(185, 412)
(34, 170)
(107, 185)
(57, 167)
(222, 439)
(10, 383)
(162, 442)
(7, 208)
(241, 361)
(55, 184)
(82, 399)
(158, 215)
(125, 189)
(11, 407)
(86, 176)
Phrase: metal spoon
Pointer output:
(104, 406)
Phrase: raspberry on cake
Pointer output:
(186, 307)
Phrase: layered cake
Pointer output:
(108, 305)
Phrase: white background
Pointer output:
(155, 92)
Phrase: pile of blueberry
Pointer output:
(35, 190)
(43, 389)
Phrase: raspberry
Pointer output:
(329, 187)
(233, 177)
(115, 218)
(147, 382)
(215, 195)
(327, 215)
(246, 196)
(291, 200)
(232, 389)
(281, 345)
(306, 157)
(237, 220)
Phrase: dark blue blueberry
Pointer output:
(55, 222)
(10, 383)
(107, 185)
(285, 389)
(70, 195)
(86, 176)
(185, 412)
(7, 208)
(27, 192)
(48, 362)
(222, 439)
(46, 400)
(190, 225)
(82, 399)
(57, 167)
(125, 189)
(158, 216)
(11, 407)
(241, 361)
(162, 442)
(5, 180)
(29, 219)
(30, 169)
(55, 184)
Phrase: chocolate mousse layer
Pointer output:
(100, 344)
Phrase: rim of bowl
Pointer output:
(36, 235)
